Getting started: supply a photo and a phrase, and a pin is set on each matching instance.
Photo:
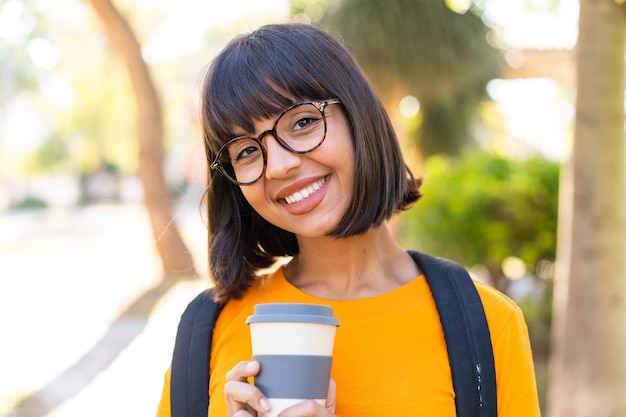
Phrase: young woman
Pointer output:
(305, 166)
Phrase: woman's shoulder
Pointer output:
(492, 298)
(501, 311)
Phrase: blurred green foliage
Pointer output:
(79, 103)
(29, 202)
(421, 48)
(425, 47)
(480, 209)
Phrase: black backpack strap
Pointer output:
(189, 382)
(466, 333)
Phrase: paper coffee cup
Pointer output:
(294, 344)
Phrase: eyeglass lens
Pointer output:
(300, 129)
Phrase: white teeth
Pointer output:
(306, 192)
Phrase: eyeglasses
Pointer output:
(300, 129)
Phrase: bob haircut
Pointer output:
(255, 77)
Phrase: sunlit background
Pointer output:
(76, 251)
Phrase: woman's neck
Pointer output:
(350, 268)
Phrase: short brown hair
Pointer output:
(255, 77)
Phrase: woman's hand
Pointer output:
(243, 399)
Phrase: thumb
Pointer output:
(331, 399)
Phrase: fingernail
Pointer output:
(265, 404)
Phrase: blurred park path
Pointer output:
(87, 325)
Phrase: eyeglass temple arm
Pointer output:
(327, 103)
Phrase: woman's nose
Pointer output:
(279, 160)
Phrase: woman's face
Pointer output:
(306, 194)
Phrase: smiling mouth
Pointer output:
(306, 192)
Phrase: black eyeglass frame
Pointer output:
(320, 105)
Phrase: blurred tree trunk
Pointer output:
(588, 365)
(175, 256)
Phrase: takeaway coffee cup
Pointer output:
(294, 345)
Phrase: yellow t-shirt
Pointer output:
(390, 356)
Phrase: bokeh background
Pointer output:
(102, 170)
